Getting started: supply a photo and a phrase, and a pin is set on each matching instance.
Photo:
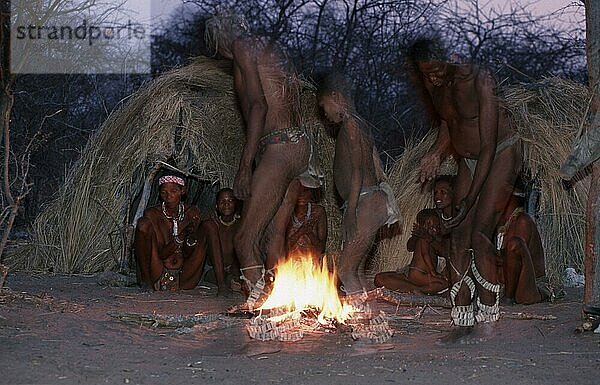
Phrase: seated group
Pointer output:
(171, 244)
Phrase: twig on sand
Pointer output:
(529, 316)
(405, 299)
(168, 321)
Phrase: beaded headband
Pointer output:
(171, 179)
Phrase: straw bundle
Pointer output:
(547, 116)
(189, 115)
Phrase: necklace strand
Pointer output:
(230, 223)
(180, 217)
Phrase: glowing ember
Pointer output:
(302, 285)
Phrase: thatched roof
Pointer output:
(548, 116)
(188, 115)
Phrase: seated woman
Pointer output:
(427, 244)
(220, 230)
(306, 232)
(169, 250)
(521, 255)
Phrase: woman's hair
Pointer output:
(450, 179)
(222, 29)
(333, 81)
(427, 50)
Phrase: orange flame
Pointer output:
(300, 284)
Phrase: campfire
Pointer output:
(305, 298)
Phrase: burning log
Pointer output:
(305, 298)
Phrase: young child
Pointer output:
(427, 245)
(220, 230)
(307, 230)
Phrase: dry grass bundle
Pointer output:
(548, 116)
(188, 115)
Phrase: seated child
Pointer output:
(220, 230)
(307, 230)
(427, 245)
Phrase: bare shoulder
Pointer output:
(152, 213)
(524, 220)
(484, 80)
(192, 210)
(247, 48)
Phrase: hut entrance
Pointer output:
(200, 193)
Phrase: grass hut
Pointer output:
(548, 115)
(186, 119)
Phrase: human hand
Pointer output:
(241, 184)
(430, 164)
(349, 227)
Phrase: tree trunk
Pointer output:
(592, 262)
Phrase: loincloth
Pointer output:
(503, 145)
(313, 176)
(393, 213)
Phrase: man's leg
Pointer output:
(395, 281)
(462, 287)
(193, 267)
(278, 166)
(276, 231)
(492, 200)
(146, 252)
(520, 273)
(371, 215)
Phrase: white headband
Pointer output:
(171, 179)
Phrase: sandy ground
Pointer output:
(58, 330)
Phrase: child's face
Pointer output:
(442, 194)
(432, 225)
(171, 193)
(332, 107)
(226, 203)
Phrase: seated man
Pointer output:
(220, 230)
(358, 176)
(169, 249)
(307, 230)
(521, 255)
(427, 245)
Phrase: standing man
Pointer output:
(276, 144)
(474, 127)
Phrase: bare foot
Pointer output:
(457, 334)
(469, 335)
